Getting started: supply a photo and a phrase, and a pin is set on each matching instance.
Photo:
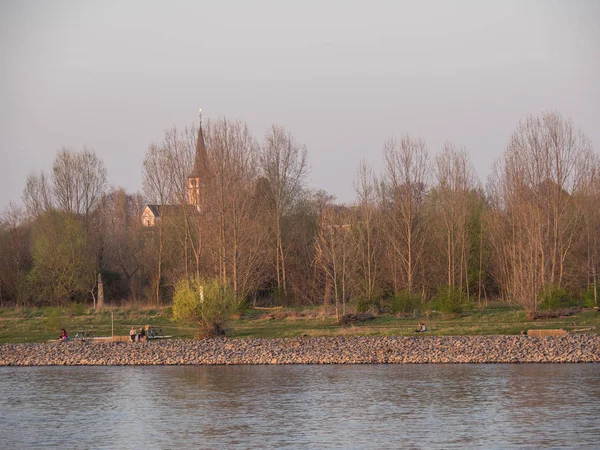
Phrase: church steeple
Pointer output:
(197, 179)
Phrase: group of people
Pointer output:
(138, 336)
(133, 334)
(422, 328)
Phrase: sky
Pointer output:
(341, 76)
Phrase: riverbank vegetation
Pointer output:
(423, 234)
(44, 323)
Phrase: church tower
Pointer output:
(196, 182)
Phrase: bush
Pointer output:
(405, 302)
(168, 312)
(239, 307)
(364, 304)
(555, 298)
(77, 309)
(589, 300)
(204, 303)
(449, 300)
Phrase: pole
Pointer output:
(100, 303)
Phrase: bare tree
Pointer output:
(590, 198)
(158, 188)
(367, 245)
(233, 155)
(284, 166)
(333, 252)
(547, 165)
(453, 203)
(122, 237)
(15, 258)
(179, 148)
(402, 194)
(37, 195)
(78, 180)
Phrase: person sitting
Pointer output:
(63, 335)
(142, 335)
(422, 328)
(132, 334)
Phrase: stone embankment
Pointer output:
(331, 350)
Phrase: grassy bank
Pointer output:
(43, 324)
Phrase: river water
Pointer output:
(361, 406)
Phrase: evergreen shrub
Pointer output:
(555, 298)
(589, 300)
(406, 302)
(449, 300)
(364, 304)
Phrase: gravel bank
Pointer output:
(583, 348)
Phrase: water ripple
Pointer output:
(452, 406)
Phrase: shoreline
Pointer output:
(581, 348)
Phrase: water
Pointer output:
(379, 406)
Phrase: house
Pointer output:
(150, 215)
(153, 214)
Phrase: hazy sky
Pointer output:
(342, 76)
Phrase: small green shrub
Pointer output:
(449, 300)
(239, 307)
(405, 302)
(186, 301)
(204, 303)
(589, 299)
(364, 304)
(77, 309)
(280, 298)
(555, 298)
(168, 312)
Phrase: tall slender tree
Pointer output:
(284, 167)
(402, 194)
(547, 165)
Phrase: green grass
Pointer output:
(491, 321)
(43, 324)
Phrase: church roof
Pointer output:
(169, 210)
(201, 159)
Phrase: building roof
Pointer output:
(201, 159)
(170, 210)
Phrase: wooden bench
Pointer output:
(544, 333)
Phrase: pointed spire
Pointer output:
(201, 159)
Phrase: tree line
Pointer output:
(422, 233)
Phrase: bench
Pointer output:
(544, 333)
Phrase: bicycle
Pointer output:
(84, 334)
(155, 332)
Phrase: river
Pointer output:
(355, 406)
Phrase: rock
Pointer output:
(335, 350)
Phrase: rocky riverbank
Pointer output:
(583, 348)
